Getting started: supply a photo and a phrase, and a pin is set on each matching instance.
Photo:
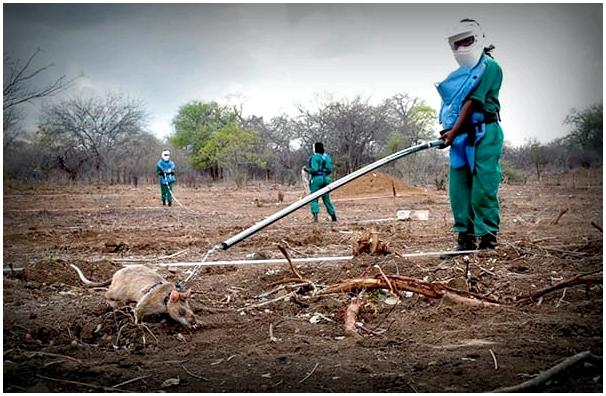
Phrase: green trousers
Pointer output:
(316, 183)
(473, 197)
(165, 193)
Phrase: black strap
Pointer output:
(151, 287)
(490, 118)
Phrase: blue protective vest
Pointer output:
(164, 168)
(454, 91)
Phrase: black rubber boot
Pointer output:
(163, 203)
(315, 217)
(488, 241)
(333, 217)
(466, 241)
(170, 203)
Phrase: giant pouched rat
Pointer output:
(149, 290)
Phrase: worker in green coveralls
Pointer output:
(165, 169)
(470, 116)
(319, 166)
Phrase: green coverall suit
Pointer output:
(166, 175)
(320, 168)
(473, 197)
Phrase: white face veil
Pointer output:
(467, 43)
(166, 155)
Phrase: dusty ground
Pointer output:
(56, 330)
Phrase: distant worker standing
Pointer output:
(319, 166)
(470, 115)
(165, 168)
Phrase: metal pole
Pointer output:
(332, 186)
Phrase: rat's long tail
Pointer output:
(87, 282)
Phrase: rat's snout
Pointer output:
(182, 313)
(189, 321)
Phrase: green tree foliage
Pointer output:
(195, 123)
(587, 129)
(413, 121)
(231, 148)
(539, 156)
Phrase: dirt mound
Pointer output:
(54, 270)
(376, 183)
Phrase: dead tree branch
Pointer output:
(593, 223)
(419, 286)
(559, 216)
(292, 267)
(351, 316)
(548, 375)
(582, 279)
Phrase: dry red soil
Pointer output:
(61, 336)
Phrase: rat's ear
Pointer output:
(174, 296)
(186, 294)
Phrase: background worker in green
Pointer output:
(319, 166)
(473, 193)
(165, 168)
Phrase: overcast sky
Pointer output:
(273, 56)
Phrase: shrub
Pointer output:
(511, 174)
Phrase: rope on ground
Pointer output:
(170, 190)
(193, 272)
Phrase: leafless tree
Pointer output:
(95, 126)
(19, 88)
(349, 129)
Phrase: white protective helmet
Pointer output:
(467, 42)
(165, 155)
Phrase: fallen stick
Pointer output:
(283, 281)
(559, 216)
(548, 375)
(351, 314)
(310, 373)
(93, 386)
(593, 223)
(352, 284)
(29, 355)
(587, 279)
(419, 286)
(282, 297)
(131, 380)
(277, 289)
(386, 279)
(494, 359)
(292, 267)
(194, 375)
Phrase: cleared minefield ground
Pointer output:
(61, 336)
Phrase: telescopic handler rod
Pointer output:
(332, 186)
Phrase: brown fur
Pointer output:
(149, 290)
